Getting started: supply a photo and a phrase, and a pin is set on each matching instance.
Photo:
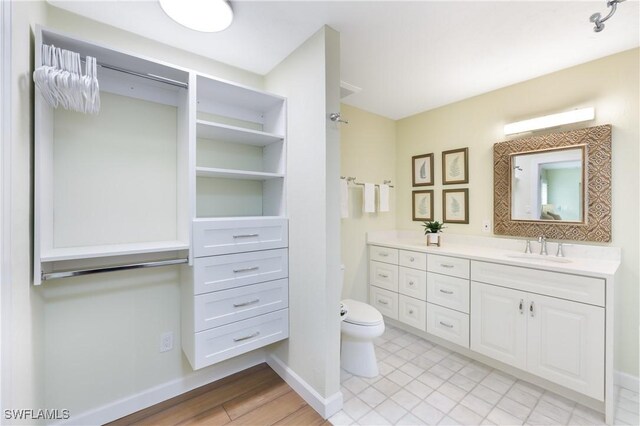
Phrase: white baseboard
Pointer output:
(326, 407)
(626, 381)
(160, 393)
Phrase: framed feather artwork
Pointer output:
(422, 167)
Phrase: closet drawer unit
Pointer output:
(220, 343)
(235, 270)
(450, 292)
(383, 254)
(447, 265)
(412, 283)
(556, 284)
(413, 259)
(383, 275)
(385, 301)
(448, 324)
(412, 312)
(227, 306)
(213, 237)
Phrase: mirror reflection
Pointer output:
(548, 185)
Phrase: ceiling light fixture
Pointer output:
(597, 18)
(553, 120)
(208, 16)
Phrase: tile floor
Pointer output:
(423, 383)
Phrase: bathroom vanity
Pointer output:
(546, 316)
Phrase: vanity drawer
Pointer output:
(383, 254)
(413, 259)
(235, 270)
(412, 312)
(385, 301)
(448, 324)
(213, 237)
(447, 265)
(227, 306)
(412, 283)
(220, 343)
(450, 292)
(556, 284)
(383, 275)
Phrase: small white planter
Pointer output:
(433, 239)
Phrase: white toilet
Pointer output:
(361, 323)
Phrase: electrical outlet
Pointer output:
(166, 341)
(486, 225)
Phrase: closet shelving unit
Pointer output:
(235, 298)
(187, 169)
(113, 186)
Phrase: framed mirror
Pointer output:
(548, 185)
(557, 185)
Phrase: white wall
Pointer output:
(84, 343)
(368, 148)
(611, 85)
(310, 81)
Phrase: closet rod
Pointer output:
(65, 274)
(143, 75)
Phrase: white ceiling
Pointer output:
(407, 57)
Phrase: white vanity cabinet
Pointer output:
(546, 317)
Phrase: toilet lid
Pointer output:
(360, 313)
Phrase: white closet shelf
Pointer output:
(235, 174)
(89, 252)
(226, 133)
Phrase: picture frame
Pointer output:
(422, 205)
(455, 166)
(455, 205)
(422, 170)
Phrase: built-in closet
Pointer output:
(177, 167)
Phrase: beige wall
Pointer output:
(368, 150)
(611, 86)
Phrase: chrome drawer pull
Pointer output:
(411, 259)
(520, 306)
(383, 276)
(446, 291)
(251, 336)
(250, 302)
(382, 302)
(444, 265)
(246, 235)
(253, 268)
(383, 254)
(410, 282)
(410, 311)
(533, 314)
(446, 325)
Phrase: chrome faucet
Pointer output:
(527, 248)
(543, 245)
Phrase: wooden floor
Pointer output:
(257, 396)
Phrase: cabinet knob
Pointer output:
(411, 259)
(520, 306)
(410, 311)
(531, 309)
(410, 282)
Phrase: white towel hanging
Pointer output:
(369, 198)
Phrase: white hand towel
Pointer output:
(384, 198)
(369, 198)
(344, 198)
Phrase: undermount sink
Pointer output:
(538, 257)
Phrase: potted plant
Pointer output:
(431, 230)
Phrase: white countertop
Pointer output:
(593, 262)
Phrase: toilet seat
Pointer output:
(359, 313)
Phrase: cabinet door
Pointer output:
(413, 283)
(412, 311)
(566, 344)
(498, 323)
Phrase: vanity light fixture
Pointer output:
(207, 16)
(553, 120)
